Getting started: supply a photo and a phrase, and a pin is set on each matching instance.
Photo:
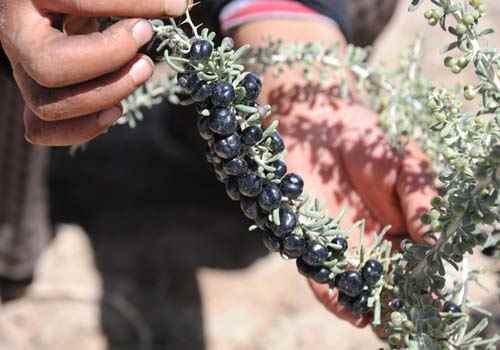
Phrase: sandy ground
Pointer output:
(264, 306)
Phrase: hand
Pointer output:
(346, 161)
(73, 84)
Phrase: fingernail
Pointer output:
(142, 32)
(142, 70)
(110, 116)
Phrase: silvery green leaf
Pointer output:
(449, 47)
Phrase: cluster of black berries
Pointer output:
(229, 152)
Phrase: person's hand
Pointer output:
(346, 161)
(73, 84)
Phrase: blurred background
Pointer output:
(124, 278)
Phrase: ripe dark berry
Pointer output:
(253, 86)
(223, 94)
(316, 254)
(203, 129)
(360, 305)
(219, 174)
(271, 242)
(280, 168)
(294, 246)
(228, 147)
(396, 304)
(202, 92)
(277, 145)
(252, 164)
(200, 50)
(222, 121)
(322, 275)
(235, 167)
(251, 135)
(250, 184)
(372, 271)
(288, 221)
(340, 241)
(249, 207)
(350, 283)
(345, 300)
(292, 186)
(188, 81)
(451, 307)
(270, 197)
(232, 189)
(304, 269)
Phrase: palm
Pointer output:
(347, 162)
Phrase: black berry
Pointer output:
(292, 186)
(271, 242)
(277, 145)
(451, 307)
(294, 246)
(235, 167)
(270, 197)
(202, 92)
(253, 86)
(222, 121)
(203, 129)
(223, 94)
(249, 207)
(316, 254)
(250, 184)
(305, 269)
(219, 173)
(345, 300)
(288, 221)
(232, 189)
(251, 135)
(228, 147)
(200, 50)
(396, 304)
(372, 271)
(360, 305)
(350, 283)
(280, 168)
(340, 241)
(321, 275)
(188, 81)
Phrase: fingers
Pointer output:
(415, 189)
(122, 8)
(372, 167)
(86, 98)
(330, 301)
(58, 60)
(68, 132)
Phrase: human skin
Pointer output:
(340, 151)
(73, 84)
(73, 95)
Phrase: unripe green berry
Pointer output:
(429, 14)
(462, 62)
(426, 219)
(437, 202)
(433, 21)
(469, 92)
(460, 29)
(468, 19)
(456, 69)
(475, 3)
(395, 339)
(449, 61)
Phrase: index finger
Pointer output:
(122, 8)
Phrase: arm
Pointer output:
(340, 151)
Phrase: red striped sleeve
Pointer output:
(243, 11)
